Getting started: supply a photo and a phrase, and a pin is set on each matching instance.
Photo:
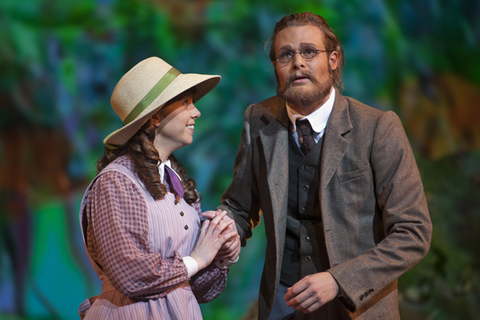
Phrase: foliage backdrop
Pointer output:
(59, 62)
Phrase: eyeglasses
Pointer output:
(285, 56)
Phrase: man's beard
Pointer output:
(297, 96)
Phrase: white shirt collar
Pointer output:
(161, 170)
(319, 118)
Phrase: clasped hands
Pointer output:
(218, 239)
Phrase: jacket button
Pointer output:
(306, 239)
(361, 297)
(307, 259)
(181, 213)
(371, 290)
(186, 227)
(305, 188)
(304, 167)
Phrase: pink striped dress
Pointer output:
(136, 245)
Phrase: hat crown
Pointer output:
(135, 85)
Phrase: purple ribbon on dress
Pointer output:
(173, 181)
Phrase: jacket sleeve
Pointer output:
(240, 199)
(406, 222)
(208, 283)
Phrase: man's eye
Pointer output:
(285, 55)
(309, 51)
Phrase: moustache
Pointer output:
(306, 73)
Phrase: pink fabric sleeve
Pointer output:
(117, 239)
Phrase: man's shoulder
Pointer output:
(271, 107)
(364, 116)
(362, 111)
(265, 112)
(359, 106)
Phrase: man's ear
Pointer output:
(333, 60)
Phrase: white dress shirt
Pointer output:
(318, 118)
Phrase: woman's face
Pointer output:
(175, 126)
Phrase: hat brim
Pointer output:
(202, 84)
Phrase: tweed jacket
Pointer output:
(373, 207)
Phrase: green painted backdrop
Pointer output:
(59, 61)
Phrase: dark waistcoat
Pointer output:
(304, 251)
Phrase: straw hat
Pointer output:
(145, 89)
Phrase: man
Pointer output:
(344, 207)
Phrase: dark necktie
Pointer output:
(173, 181)
(306, 135)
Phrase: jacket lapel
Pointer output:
(274, 140)
(334, 144)
(274, 137)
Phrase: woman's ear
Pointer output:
(156, 119)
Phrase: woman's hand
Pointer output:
(213, 235)
(231, 248)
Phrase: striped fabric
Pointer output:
(136, 245)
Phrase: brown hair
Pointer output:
(330, 39)
(145, 159)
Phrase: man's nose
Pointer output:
(298, 61)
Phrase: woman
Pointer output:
(140, 216)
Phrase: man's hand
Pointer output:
(312, 292)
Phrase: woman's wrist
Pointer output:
(192, 266)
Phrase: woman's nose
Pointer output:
(195, 113)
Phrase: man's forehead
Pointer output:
(301, 45)
(299, 36)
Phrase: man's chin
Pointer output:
(303, 89)
(296, 94)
